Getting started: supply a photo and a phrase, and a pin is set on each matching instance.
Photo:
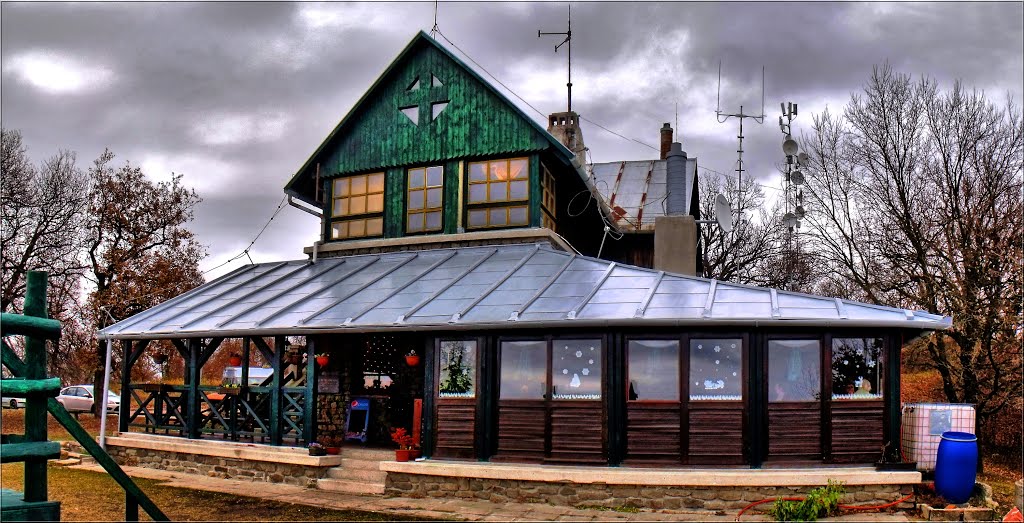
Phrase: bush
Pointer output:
(820, 502)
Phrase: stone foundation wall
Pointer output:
(218, 467)
(615, 496)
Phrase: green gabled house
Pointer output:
(464, 288)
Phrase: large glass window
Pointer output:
(424, 203)
(458, 368)
(576, 369)
(547, 201)
(857, 368)
(359, 203)
(495, 189)
(716, 369)
(794, 370)
(524, 370)
(654, 370)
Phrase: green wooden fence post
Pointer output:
(309, 417)
(275, 391)
(35, 369)
(193, 387)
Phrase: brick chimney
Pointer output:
(666, 140)
(565, 126)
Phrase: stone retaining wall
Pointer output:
(218, 467)
(616, 496)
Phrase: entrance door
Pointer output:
(794, 399)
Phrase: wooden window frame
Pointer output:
(548, 201)
(347, 218)
(425, 209)
(508, 204)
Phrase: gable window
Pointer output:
(357, 206)
(547, 201)
(498, 193)
(424, 203)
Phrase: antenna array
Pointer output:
(568, 40)
(741, 115)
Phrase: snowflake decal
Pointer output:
(734, 374)
(717, 362)
(579, 354)
(586, 371)
(565, 371)
(718, 349)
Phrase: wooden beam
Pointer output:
(208, 350)
(25, 388)
(182, 349)
(35, 369)
(275, 391)
(265, 350)
(123, 419)
(309, 414)
(193, 388)
(17, 324)
(30, 451)
(140, 347)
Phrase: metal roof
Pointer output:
(636, 191)
(492, 287)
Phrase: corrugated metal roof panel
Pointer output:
(481, 287)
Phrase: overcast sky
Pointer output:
(236, 96)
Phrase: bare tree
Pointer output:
(915, 200)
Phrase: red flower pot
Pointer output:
(322, 360)
(402, 455)
(412, 361)
(235, 361)
(333, 450)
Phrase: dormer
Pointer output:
(433, 149)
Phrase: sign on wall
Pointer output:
(329, 382)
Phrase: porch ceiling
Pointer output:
(492, 287)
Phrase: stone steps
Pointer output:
(350, 487)
(367, 454)
(367, 475)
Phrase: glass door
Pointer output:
(794, 399)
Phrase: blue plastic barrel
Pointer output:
(956, 466)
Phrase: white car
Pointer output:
(79, 398)
(14, 403)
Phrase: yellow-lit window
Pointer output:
(500, 182)
(359, 202)
(424, 203)
(547, 201)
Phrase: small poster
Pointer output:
(329, 383)
(939, 421)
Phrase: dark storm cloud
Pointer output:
(237, 95)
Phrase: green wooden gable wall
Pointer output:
(376, 136)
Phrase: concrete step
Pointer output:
(350, 487)
(360, 464)
(67, 462)
(368, 454)
(355, 474)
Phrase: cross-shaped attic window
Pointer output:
(422, 103)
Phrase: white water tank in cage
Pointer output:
(923, 425)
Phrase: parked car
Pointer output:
(79, 398)
(14, 403)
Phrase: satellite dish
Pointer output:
(789, 220)
(723, 213)
(803, 159)
(789, 146)
(800, 212)
(797, 177)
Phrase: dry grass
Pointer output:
(14, 423)
(93, 496)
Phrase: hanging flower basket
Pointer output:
(159, 358)
(322, 360)
(235, 360)
(412, 359)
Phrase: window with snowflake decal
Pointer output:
(458, 367)
(716, 369)
(857, 368)
(794, 370)
(654, 370)
(576, 369)
(524, 370)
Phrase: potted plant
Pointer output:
(316, 449)
(412, 359)
(322, 359)
(235, 359)
(406, 447)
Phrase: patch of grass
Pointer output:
(14, 423)
(93, 496)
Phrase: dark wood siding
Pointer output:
(577, 433)
(652, 434)
(521, 431)
(794, 431)
(456, 425)
(857, 431)
(716, 432)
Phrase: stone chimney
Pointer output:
(565, 126)
(675, 235)
(666, 140)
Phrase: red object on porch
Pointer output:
(412, 361)
(235, 361)
(417, 418)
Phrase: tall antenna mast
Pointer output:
(434, 30)
(741, 115)
(568, 39)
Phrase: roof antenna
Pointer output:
(741, 115)
(434, 29)
(568, 39)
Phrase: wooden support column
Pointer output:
(893, 415)
(245, 361)
(35, 369)
(429, 397)
(309, 418)
(194, 346)
(126, 392)
(615, 397)
(275, 391)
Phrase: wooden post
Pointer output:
(193, 388)
(35, 369)
(309, 416)
(429, 401)
(275, 391)
(124, 418)
(131, 507)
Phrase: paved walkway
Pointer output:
(439, 508)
